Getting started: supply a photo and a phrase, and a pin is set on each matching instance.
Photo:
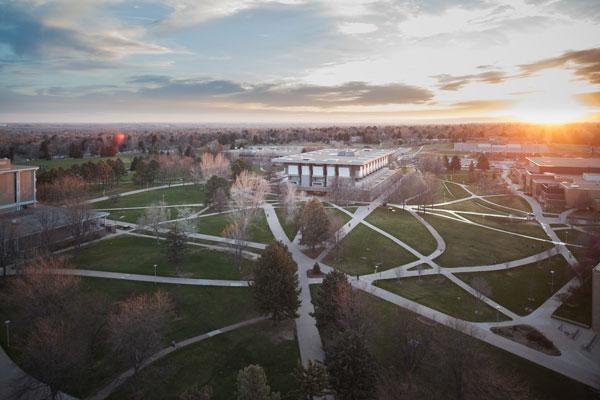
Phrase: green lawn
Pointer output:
(137, 255)
(473, 206)
(511, 201)
(288, 226)
(216, 362)
(529, 228)
(468, 245)
(439, 293)
(405, 227)
(172, 196)
(364, 248)
(68, 162)
(578, 306)
(197, 310)
(433, 382)
(258, 231)
(575, 238)
(523, 289)
(456, 191)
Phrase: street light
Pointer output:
(497, 313)
(552, 281)
(155, 274)
(376, 268)
(7, 324)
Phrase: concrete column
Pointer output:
(34, 188)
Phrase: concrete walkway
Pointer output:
(132, 192)
(309, 339)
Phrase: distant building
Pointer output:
(515, 148)
(596, 298)
(17, 186)
(559, 182)
(317, 171)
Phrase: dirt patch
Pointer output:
(528, 336)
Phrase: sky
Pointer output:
(297, 61)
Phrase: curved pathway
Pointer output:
(111, 387)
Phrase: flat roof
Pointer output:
(335, 156)
(30, 220)
(572, 162)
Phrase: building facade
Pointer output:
(318, 170)
(596, 298)
(17, 186)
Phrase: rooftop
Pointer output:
(573, 162)
(7, 166)
(335, 156)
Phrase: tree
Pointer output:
(136, 326)
(154, 216)
(214, 165)
(8, 246)
(175, 246)
(238, 166)
(204, 393)
(341, 191)
(289, 199)
(214, 184)
(252, 385)
(335, 303)
(351, 367)
(313, 223)
(446, 162)
(275, 283)
(483, 163)
(312, 379)
(455, 164)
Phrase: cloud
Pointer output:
(450, 82)
(585, 63)
(591, 99)
(577, 9)
(354, 28)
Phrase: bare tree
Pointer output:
(247, 194)
(8, 246)
(136, 326)
(290, 197)
(341, 191)
(154, 216)
(214, 165)
(48, 219)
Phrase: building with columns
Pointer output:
(317, 170)
(17, 186)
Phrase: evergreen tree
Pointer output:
(483, 163)
(252, 385)
(238, 166)
(214, 184)
(351, 368)
(44, 152)
(275, 283)
(335, 288)
(455, 164)
(313, 223)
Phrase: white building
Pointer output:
(317, 170)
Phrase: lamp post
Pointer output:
(497, 313)
(552, 281)
(155, 274)
(376, 268)
(7, 324)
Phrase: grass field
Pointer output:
(216, 362)
(288, 226)
(578, 306)
(523, 289)
(197, 310)
(137, 255)
(468, 245)
(511, 201)
(439, 293)
(473, 206)
(258, 231)
(387, 320)
(171, 196)
(455, 191)
(405, 227)
(68, 162)
(529, 228)
(364, 248)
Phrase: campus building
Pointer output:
(561, 182)
(317, 171)
(17, 186)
